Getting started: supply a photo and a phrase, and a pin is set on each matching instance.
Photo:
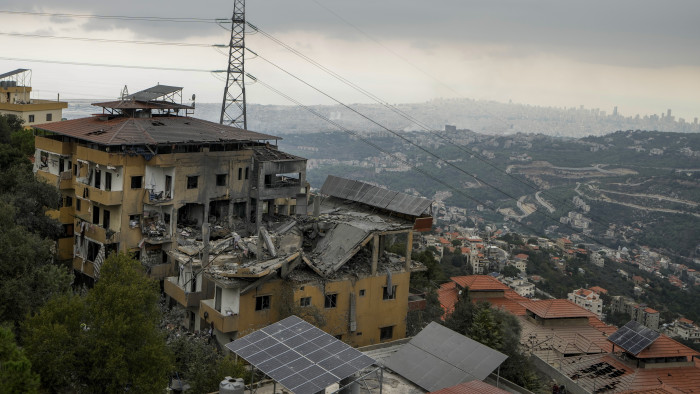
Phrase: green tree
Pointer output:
(419, 319)
(107, 340)
(456, 243)
(201, 365)
(484, 328)
(29, 278)
(509, 271)
(16, 374)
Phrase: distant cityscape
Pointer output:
(488, 117)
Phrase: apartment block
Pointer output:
(15, 99)
(144, 175)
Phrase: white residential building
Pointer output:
(587, 299)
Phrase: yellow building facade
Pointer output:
(15, 99)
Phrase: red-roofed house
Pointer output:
(598, 289)
(587, 299)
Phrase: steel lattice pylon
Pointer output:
(233, 105)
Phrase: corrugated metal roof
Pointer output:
(374, 196)
(151, 131)
(11, 73)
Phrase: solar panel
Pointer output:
(153, 93)
(11, 73)
(301, 357)
(438, 357)
(633, 337)
(374, 196)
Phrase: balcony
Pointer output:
(64, 215)
(221, 322)
(99, 234)
(50, 178)
(66, 181)
(177, 293)
(65, 248)
(160, 198)
(50, 145)
(99, 196)
(87, 267)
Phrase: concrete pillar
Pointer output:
(409, 249)
(375, 253)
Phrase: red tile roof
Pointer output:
(685, 320)
(664, 346)
(554, 309)
(599, 290)
(511, 302)
(150, 131)
(479, 283)
(521, 256)
(473, 387)
(650, 310)
(448, 294)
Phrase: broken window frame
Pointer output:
(330, 300)
(385, 293)
(305, 301)
(95, 214)
(137, 181)
(240, 173)
(262, 303)
(386, 333)
(362, 292)
(192, 181)
(221, 179)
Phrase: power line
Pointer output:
(140, 42)
(109, 65)
(398, 159)
(414, 121)
(117, 17)
(407, 141)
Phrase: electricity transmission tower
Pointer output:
(233, 105)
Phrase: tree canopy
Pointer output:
(29, 277)
(105, 341)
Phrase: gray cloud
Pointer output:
(651, 33)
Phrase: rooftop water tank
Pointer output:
(231, 386)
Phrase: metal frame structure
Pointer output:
(233, 111)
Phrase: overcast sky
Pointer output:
(639, 55)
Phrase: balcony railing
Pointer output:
(100, 196)
(221, 322)
(184, 298)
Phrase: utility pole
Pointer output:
(233, 105)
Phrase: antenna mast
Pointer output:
(233, 105)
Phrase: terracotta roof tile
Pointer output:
(598, 290)
(448, 294)
(473, 387)
(479, 283)
(553, 309)
(664, 346)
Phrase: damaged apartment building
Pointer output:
(329, 266)
(143, 176)
(220, 215)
